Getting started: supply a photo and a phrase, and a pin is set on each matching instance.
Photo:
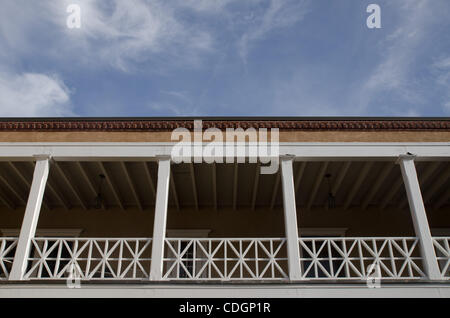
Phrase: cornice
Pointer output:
(169, 125)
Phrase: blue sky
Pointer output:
(225, 58)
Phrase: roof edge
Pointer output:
(170, 123)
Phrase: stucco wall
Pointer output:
(285, 136)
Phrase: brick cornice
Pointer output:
(169, 125)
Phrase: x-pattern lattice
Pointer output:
(442, 249)
(225, 259)
(7, 249)
(351, 258)
(90, 258)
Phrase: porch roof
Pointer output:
(131, 184)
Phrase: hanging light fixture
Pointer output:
(99, 201)
(331, 199)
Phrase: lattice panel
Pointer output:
(360, 258)
(89, 258)
(225, 259)
(442, 249)
(7, 251)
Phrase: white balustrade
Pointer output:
(360, 258)
(442, 249)
(8, 247)
(89, 258)
(225, 259)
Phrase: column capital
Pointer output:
(287, 157)
(42, 157)
(163, 157)
(406, 156)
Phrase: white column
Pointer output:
(419, 216)
(30, 218)
(290, 217)
(159, 226)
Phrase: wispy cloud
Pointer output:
(129, 33)
(32, 94)
(279, 14)
(401, 54)
(227, 57)
(441, 68)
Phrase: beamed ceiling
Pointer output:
(210, 186)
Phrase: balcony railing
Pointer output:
(7, 249)
(360, 258)
(226, 259)
(89, 258)
(442, 248)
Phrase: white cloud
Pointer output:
(400, 52)
(133, 35)
(447, 107)
(279, 14)
(33, 95)
(126, 33)
(400, 48)
(441, 69)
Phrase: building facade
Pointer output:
(100, 208)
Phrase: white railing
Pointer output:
(360, 258)
(442, 249)
(342, 258)
(225, 259)
(7, 251)
(89, 258)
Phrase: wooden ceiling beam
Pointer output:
(317, 183)
(386, 170)
(132, 185)
(111, 184)
(70, 185)
(26, 181)
(357, 185)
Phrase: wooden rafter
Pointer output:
(131, 185)
(65, 203)
(194, 185)
(298, 177)
(357, 185)
(444, 198)
(148, 175)
(441, 180)
(386, 170)
(426, 175)
(275, 190)
(26, 181)
(255, 185)
(214, 184)
(70, 185)
(89, 182)
(13, 190)
(235, 185)
(6, 201)
(174, 190)
(317, 183)
(111, 184)
(392, 191)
